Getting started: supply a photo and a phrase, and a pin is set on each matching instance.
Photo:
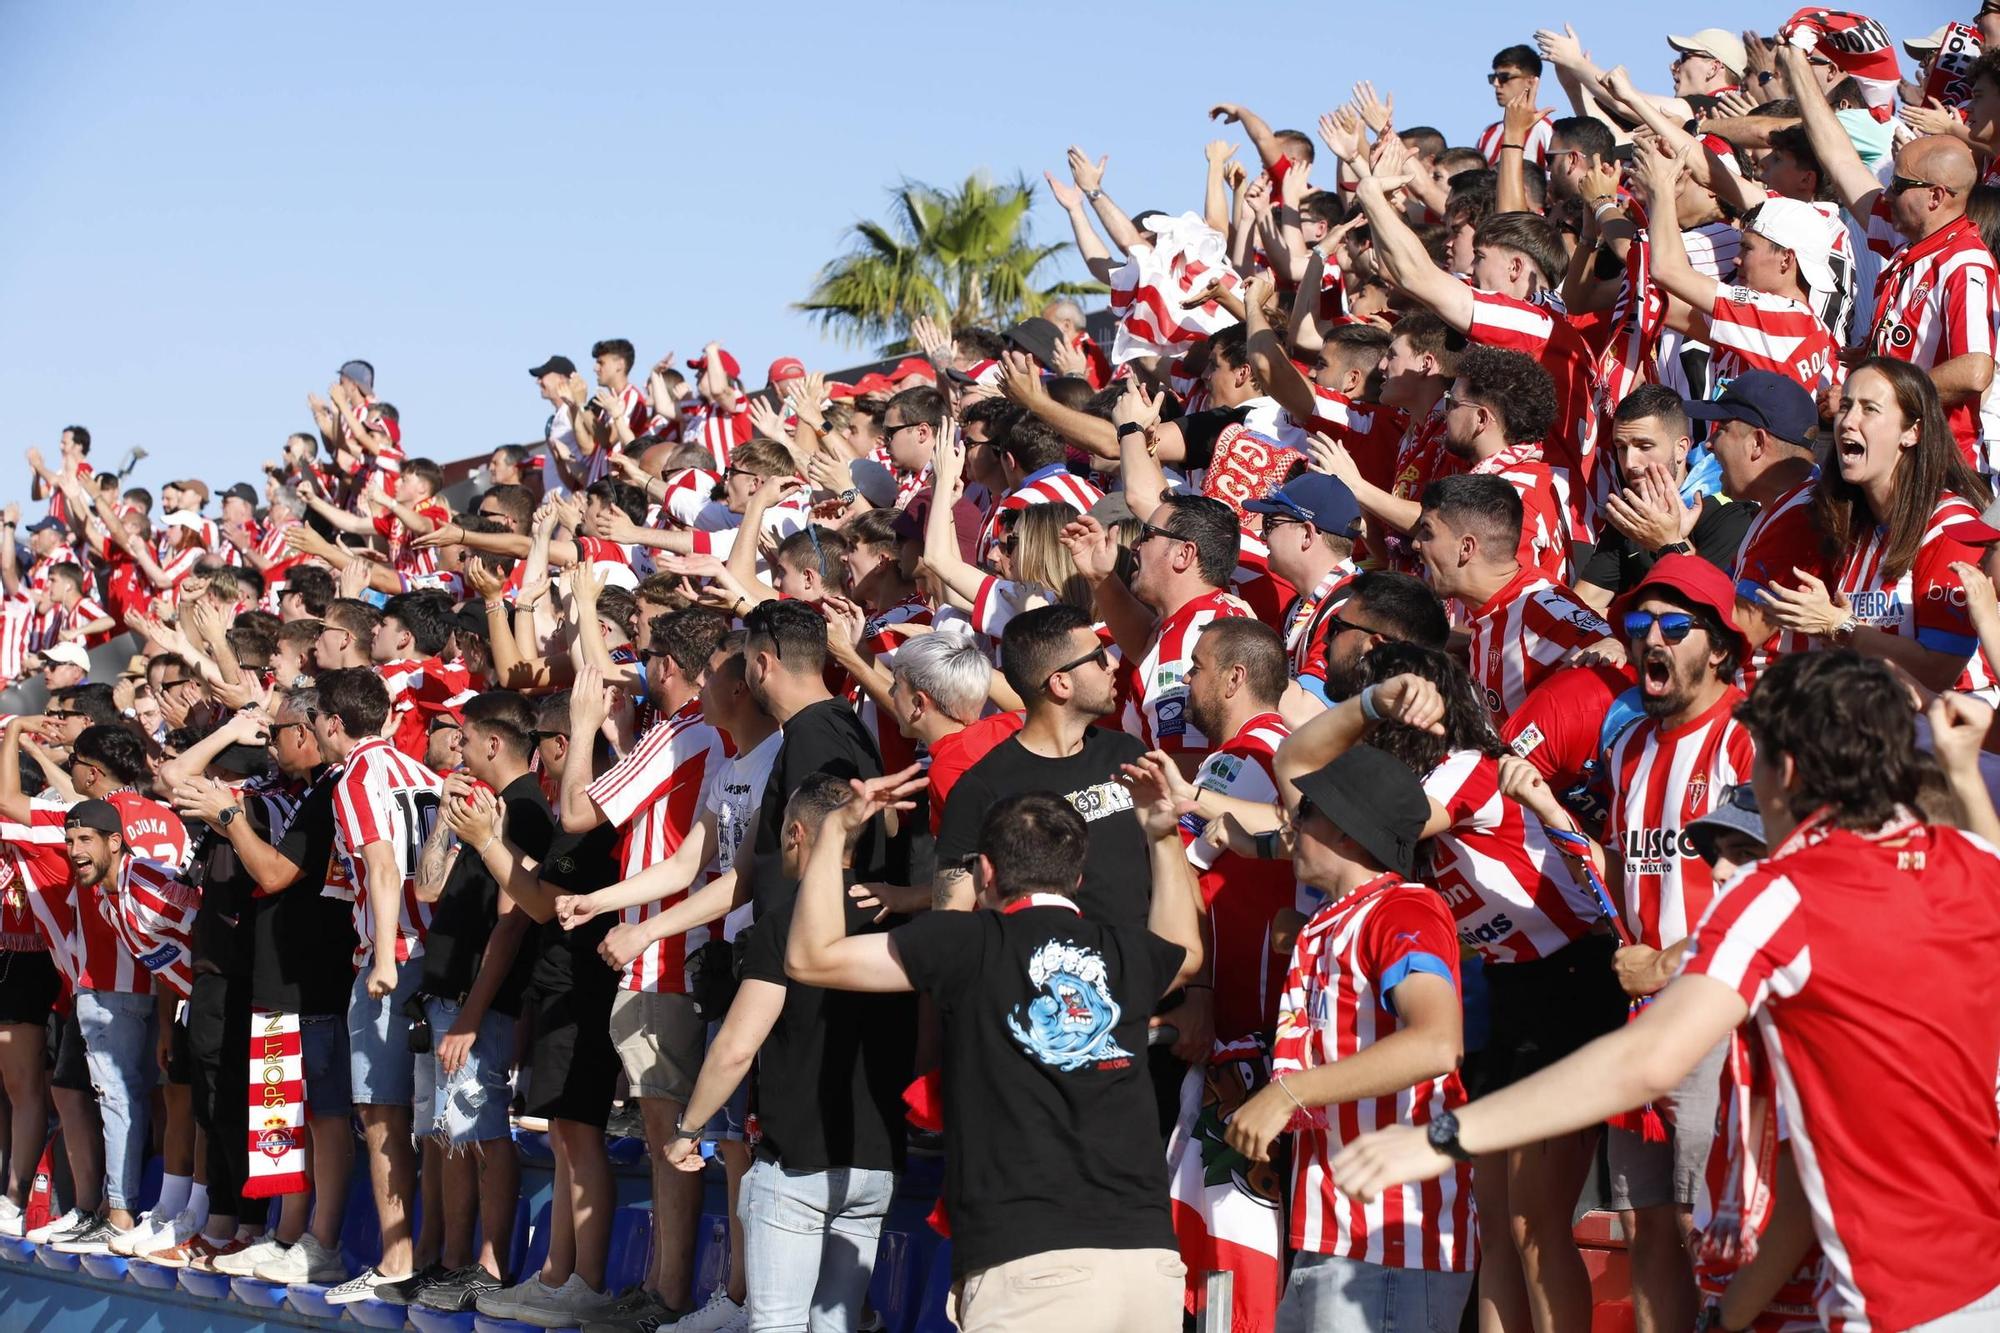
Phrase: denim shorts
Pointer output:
(323, 1059)
(379, 1060)
(471, 1105)
(729, 1119)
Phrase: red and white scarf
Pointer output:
(277, 1106)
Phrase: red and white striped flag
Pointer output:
(1227, 1214)
(1856, 44)
(1187, 255)
(277, 1106)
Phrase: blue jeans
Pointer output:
(323, 1061)
(380, 1063)
(1328, 1294)
(809, 1244)
(118, 1041)
(471, 1105)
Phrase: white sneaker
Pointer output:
(561, 1307)
(244, 1262)
(163, 1235)
(718, 1315)
(307, 1261)
(362, 1288)
(54, 1226)
(148, 1224)
(12, 1220)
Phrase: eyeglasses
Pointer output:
(1903, 184)
(1006, 544)
(491, 513)
(889, 432)
(738, 472)
(1272, 522)
(1099, 656)
(1148, 531)
(180, 680)
(1674, 625)
(279, 728)
(1686, 56)
(1500, 78)
(55, 714)
(313, 715)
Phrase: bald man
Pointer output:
(1938, 297)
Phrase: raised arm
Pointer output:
(1089, 177)
(1403, 259)
(1267, 145)
(1096, 256)
(1853, 184)
(819, 951)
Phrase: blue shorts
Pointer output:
(471, 1105)
(323, 1059)
(379, 1058)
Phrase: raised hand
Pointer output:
(1562, 49)
(1088, 175)
(1093, 547)
(1376, 113)
(1340, 131)
(1160, 794)
(1411, 700)
(873, 796)
(1067, 197)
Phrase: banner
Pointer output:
(277, 1106)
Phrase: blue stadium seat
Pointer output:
(893, 1290)
(110, 1267)
(461, 1321)
(631, 1247)
(206, 1286)
(152, 1276)
(931, 1316)
(257, 1293)
(711, 1234)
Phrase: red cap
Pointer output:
(784, 368)
(966, 522)
(873, 383)
(913, 365)
(838, 392)
(1696, 580)
(729, 365)
(1981, 531)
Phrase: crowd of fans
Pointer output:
(1488, 671)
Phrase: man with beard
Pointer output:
(1308, 526)
(1668, 770)
(1496, 415)
(1381, 607)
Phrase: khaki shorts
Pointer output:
(659, 1040)
(1651, 1175)
(1104, 1291)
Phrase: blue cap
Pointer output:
(1321, 500)
(46, 524)
(1766, 400)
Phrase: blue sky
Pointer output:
(210, 206)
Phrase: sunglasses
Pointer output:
(1100, 656)
(1148, 531)
(1740, 796)
(278, 728)
(1007, 544)
(1674, 625)
(1498, 79)
(1904, 184)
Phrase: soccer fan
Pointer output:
(1884, 513)
(1044, 1175)
(1522, 623)
(1309, 528)
(1517, 76)
(1798, 945)
(384, 805)
(1187, 553)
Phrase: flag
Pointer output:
(1228, 1210)
(1186, 256)
(277, 1106)
(1857, 45)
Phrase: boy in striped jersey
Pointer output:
(1369, 1035)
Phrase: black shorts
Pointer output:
(180, 1062)
(572, 1066)
(29, 986)
(1547, 1009)
(67, 1066)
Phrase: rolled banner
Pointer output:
(277, 1106)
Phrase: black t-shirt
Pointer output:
(463, 918)
(1717, 536)
(1117, 881)
(304, 939)
(826, 737)
(567, 961)
(224, 931)
(1048, 1106)
(1200, 430)
(831, 1075)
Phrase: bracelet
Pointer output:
(1279, 1084)
(1517, 147)
(1604, 206)
(1199, 985)
(1368, 709)
(1264, 846)
(487, 846)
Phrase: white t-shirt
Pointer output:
(735, 791)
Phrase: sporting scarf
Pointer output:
(277, 1106)
(1147, 292)
(1228, 1211)
(1957, 50)
(1857, 45)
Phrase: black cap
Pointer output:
(1375, 799)
(1037, 337)
(559, 365)
(1766, 400)
(243, 491)
(94, 814)
(245, 761)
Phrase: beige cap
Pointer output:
(1723, 45)
(1920, 48)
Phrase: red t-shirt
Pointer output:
(954, 754)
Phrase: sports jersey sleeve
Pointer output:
(1752, 939)
(1227, 773)
(1771, 332)
(1970, 306)
(1557, 726)
(1406, 935)
(1566, 623)
(1944, 621)
(1511, 323)
(45, 823)
(997, 602)
(642, 777)
(358, 804)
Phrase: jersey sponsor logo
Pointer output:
(1068, 1025)
(1653, 851)
(1106, 798)
(1938, 592)
(1529, 740)
(161, 957)
(1875, 606)
(1491, 931)
(1219, 773)
(1171, 710)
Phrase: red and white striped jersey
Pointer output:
(1544, 532)
(690, 493)
(884, 632)
(1536, 148)
(999, 601)
(781, 520)
(68, 622)
(1054, 484)
(1752, 330)
(1421, 458)
(1927, 603)
(1858, 955)
(271, 541)
(1339, 999)
(1780, 539)
(420, 692)
(41, 874)
(1545, 333)
(717, 429)
(413, 561)
(58, 502)
(1662, 781)
(1242, 894)
(1156, 686)
(383, 795)
(151, 910)
(152, 831)
(1512, 895)
(1520, 635)
(36, 579)
(18, 623)
(1305, 621)
(230, 555)
(1262, 591)
(653, 797)
(1937, 299)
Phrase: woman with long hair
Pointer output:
(1891, 491)
(1036, 568)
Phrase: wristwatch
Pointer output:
(228, 814)
(1093, 195)
(1675, 548)
(683, 1132)
(1130, 428)
(1442, 1132)
(1844, 631)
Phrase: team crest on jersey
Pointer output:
(1697, 788)
(1068, 1025)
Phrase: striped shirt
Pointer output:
(1927, 603)
(1782, 537)
(1662, 781)
(151, 831)
(884, 632)
(1544, 332)
(383, 795)
(1156, 687)
(1937, 299)
(653, 797)
(1242, 895)
(717, 429)
(1522, 633)
(1544, 534)
(1305, 621)
(1338, 1001)
(151, 911)
(1536, 149)
(1512, 896)
(1752, 330)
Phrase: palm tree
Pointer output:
(961, 256)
